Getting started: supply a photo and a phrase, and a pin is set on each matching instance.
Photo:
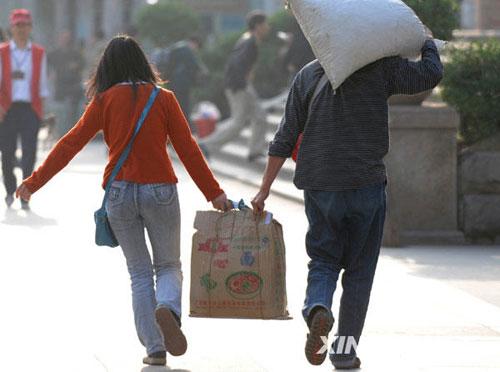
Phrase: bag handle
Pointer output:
(126, 152)
(241, 205)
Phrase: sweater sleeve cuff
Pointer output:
(213, 194)
(31, 185)
(279, 150)
(429, 44)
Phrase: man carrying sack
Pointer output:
(23, 86)
(341, 170)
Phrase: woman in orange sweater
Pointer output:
(143, 195)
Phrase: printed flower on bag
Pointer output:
(213, 246)
(221, 264)
(247, 259)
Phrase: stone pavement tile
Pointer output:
(429, 353)
(429, 305)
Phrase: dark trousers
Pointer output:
(20, 122)
(345, 232)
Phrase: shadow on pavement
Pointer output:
(30, 219)
(478, 263)
(162, 369)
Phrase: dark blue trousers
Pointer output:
(19, 122)
(345, 232)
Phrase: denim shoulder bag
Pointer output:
(104, 235)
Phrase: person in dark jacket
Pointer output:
(66, 63)
(242, 97)
(299, 53)
(185, 69)
(341, 169)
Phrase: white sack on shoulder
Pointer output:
(347, 35)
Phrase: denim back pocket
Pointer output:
(116, 194)
(164, 193)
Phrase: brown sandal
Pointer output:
(174, 339)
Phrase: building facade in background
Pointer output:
(221, 16)
(481, 14)
(86, 17)
(489, 16)
(83, 17)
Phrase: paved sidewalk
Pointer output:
(66, 303)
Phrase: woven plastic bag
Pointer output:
(347, 35)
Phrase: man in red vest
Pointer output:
(23, 87)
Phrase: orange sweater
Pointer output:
(116, 112)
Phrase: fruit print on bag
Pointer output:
(244, 285)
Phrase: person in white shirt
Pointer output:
(23, 88)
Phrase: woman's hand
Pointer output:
(259, 201)
(23, 193)
(221, 203)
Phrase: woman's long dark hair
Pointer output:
(123, 60)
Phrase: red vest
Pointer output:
(6, 83)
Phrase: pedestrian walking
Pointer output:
(93, 53)
(182, 69)
(243, 100)
(23, 88)
(3, 38)
(299, 53)
(340, 167)
(143, 196)
(3, 35)
(66, 64)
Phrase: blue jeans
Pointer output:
(133, 208)
(345, 232)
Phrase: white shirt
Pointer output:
(22, 60)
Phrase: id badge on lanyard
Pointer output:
(18, 75)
